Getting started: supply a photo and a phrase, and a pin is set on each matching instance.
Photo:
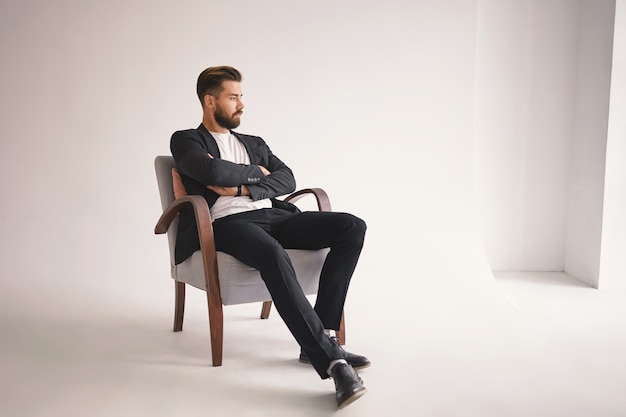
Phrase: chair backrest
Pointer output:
(163, 165)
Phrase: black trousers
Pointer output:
(259, 238)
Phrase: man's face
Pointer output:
(228, 106)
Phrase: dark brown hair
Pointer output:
(210, 80)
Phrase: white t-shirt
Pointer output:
(231, 149)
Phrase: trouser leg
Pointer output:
(246, 237)
(341, 232)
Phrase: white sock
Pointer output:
(333, 363)
(330, 332)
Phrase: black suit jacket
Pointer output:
(191, 149)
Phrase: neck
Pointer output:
(211, 125)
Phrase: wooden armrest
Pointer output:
(323, 202)
(205, 235)
(200, 208)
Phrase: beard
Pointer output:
(226, 121)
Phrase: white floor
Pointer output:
(549, 346)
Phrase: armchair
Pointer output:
(226, 280)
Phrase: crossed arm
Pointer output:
(232, 191)
(266, 177)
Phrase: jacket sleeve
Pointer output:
(192, 159)
(281, 180)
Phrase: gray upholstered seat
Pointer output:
(228, 280)
(240, 283)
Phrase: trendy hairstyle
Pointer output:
(210, 80)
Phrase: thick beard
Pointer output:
(227, 122)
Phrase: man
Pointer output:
(239, 176)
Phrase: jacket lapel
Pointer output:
(209, 141)
(253, 154)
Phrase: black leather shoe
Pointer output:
(357, 361)
(348, 386)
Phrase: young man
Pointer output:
(239, 176)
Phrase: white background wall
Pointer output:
(373, 102)
(525, 79)
(588, 154)
(613, 261)
(543, 82)
(377, 103)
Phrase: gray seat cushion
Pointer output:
(239, 283)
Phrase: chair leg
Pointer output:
(216, 327)
(179, 306)
(265, 310)
(341, 333)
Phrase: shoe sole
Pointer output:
(352, 398)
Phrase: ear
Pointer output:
(208, 101)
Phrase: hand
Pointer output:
(223, 191)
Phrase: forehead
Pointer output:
(230, 88)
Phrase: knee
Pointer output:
(356, 226)
(361, 225)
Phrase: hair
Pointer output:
(210, 80)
